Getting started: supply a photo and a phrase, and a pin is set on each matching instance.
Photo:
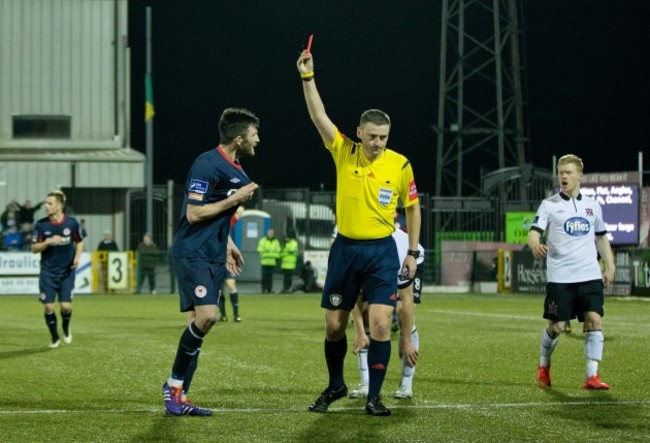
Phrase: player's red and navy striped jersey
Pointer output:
(57, 259)
(213, 177)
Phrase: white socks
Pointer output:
(548, 345)
(593, 352)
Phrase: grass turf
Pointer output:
(474, 380)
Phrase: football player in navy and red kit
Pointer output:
(203, 251)
(576, 235)
(57, 238)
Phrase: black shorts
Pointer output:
(361, 266)
(417, 284)
(52, 285)
(199, 281)
(565, 301)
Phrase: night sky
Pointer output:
(586, 80)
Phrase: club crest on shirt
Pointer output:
(335, 299)
(590, 212)
(66, 231)
(551, 309)
(200, 291)
(385, 196)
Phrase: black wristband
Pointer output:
(308, 79)
(412, 253)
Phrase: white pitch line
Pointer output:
(347, 408)
(485, 314)
(515, 317)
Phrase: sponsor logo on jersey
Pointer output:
(200, 291)
(385, 196)
(336, 299)
(577, 226)
(198, 186)
(413, 191)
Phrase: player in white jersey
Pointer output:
(408, 293)
(576, 234)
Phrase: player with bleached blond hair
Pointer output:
(576, 235)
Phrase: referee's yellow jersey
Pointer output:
(367, 193)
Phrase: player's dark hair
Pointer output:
(234, 122)
(59, 196)
(374, 116)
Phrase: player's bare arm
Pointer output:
(314, 103)
(197, 213)
(413, 224)
(234, 258)
(405, 318)
(78, 249)
(539, 250)
(41, 246)
(606, 255)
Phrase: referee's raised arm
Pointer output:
(315, 105)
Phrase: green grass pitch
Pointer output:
(474, 381)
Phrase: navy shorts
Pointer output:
(565, 301)
(356, 266)
(417, 284)
(52, 285)
(199, 281)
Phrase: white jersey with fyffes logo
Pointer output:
(572, 225)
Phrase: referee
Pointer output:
(369, 180)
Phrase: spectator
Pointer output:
(269, 249)
(107, 244)
(289, 260)
(308, 275)
(26, 233)
(12, 239)
(148, 254)
(9, 217)
(82, 228)
(26, 211)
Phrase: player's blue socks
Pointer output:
(65, 322)
(50, 321)
(188, 348)
(378, 357)
(335, 356)
(222, 306)
(234, 299)
(189, 374)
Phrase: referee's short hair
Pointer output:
(374, 116)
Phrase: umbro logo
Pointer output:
(393, 297)
(234, 180)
